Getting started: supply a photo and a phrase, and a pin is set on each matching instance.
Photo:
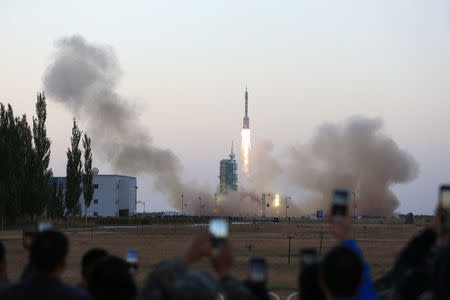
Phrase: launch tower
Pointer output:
(228, 173)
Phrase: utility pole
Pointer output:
(354, 205)
(263, 205)
(182, 204)
(200, 206)
(289, 249)
(286, 198)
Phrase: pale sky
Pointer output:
(185, 66)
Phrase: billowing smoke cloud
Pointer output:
(354, 155)
(84, 78)
(265, 169)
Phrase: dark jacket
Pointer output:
(160, 283)
(366, 289)
(39, 286)
(412, 271)
(441, 274)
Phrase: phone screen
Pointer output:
(445, 197)
(258, 269)
(340, 199)
(132, 256)
(218, 228)
(308, 256)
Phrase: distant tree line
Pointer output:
(25, 189)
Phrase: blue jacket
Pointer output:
(366, 289)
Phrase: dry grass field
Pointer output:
(380, 243)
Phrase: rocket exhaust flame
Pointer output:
(246, 147)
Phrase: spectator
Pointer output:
(160, 283)
(3, 274)
(308, 281)
(88, 262)
(341, 273)
(195, 285)
(441, 287)
(111, 280)
(258, 289)
(412, 272)
(343, 232)
(48, 254)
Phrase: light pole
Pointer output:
(182, 204)
(354, 205)
(286, 204)
(289, 249)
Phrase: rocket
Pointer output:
(246, 124)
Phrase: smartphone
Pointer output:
(444, 201)
(219, 231)
(132, 258)
(258, 269)
(308, 257)
(43, 226)
(340, 201)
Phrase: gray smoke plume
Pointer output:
(354, 155)
(84, 78)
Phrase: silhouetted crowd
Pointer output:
(421, 271)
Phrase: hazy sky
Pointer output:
(185, 65)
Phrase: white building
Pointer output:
(114, 195)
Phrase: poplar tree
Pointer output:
(40, 180)
(73, 174)
(88, 176)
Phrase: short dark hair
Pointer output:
(2, 253)
(342, 270)
(90, 259)
(48, 250)
(111, 279)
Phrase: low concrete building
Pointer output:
(114, 195)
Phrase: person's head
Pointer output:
(2, 261)
(308, 283)
(48, 252)
(341, 272)
(111, 279)
(88, 262)
(195, 285)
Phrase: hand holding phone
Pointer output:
(444, 212)
(308, 257)
(258, 269)
(132, 258)
(339, 204)
(219, 231)
(339, 217)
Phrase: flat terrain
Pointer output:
(380, 243)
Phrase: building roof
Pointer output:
(115, 175)
(101, 175)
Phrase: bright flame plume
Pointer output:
(246, 147)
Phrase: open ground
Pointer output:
(380, 242)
